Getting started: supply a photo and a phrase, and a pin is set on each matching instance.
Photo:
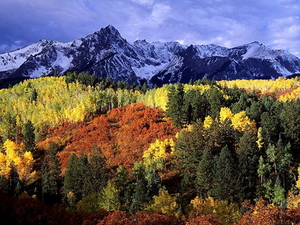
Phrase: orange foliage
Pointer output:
(203, 220)
(140, 218)
(269, 214)
(123, 134)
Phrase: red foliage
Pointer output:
(140, 218)
(123, 134)
(115, 218)
(203, 220)
(266, 214)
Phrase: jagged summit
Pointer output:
(106, 53)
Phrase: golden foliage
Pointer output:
(164, 203)
(14, 155)
(158, 152)
(227, 213)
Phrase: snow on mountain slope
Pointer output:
(14, 59)
(106, 53)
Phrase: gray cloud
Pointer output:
(224, 22)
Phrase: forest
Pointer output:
(76, 149)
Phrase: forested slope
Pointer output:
(216, 152)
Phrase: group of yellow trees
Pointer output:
(12, 157)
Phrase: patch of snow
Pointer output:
(282, 70)
(148, 71)
(211, 50)
(63, 61)
(14, 59)
(258, 50)
(38, 72)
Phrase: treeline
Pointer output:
(204, 152)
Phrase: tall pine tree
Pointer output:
(248, 155)
(204, 179)
(175, 104)
(224, 176)
(29, 136)
(96, 173)
(51, 179)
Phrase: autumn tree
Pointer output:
(227, 213)
(109, 197)
(164, 203)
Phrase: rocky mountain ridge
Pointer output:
(107, 53)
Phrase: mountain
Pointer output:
(107, 53)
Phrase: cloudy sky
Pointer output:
(229, 23)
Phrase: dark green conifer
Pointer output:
(205, 174)
(51, 179)
(248, 155)
(29, 136)
(140, 189)
(224, 176)
(175, 104)
(96, 173)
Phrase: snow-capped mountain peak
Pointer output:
(106, 53)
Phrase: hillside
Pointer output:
(98, 152)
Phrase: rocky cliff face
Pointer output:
(106, 53)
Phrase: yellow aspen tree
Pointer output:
(164, 203)
(259, 141)
(240, 121)
(158, 152)
(293, 200)
(23, 161)
(227, 213)
(225, 113)
(207, 122)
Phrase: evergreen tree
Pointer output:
(241, 105)
(153, 183)
(140, 190)
(175, 104)
(254, 111)
(96, 173)
(205, 174)
(51, 174)
(195, 107)
(215, 99)
(248, 155)
(34, 95)
(15, 185)
(189, 149)
(290, 120)
(75, 175)
(124, 186)
(29, 136)
(70, 178)
(110, 197)
(224, 176)
(4, 186)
